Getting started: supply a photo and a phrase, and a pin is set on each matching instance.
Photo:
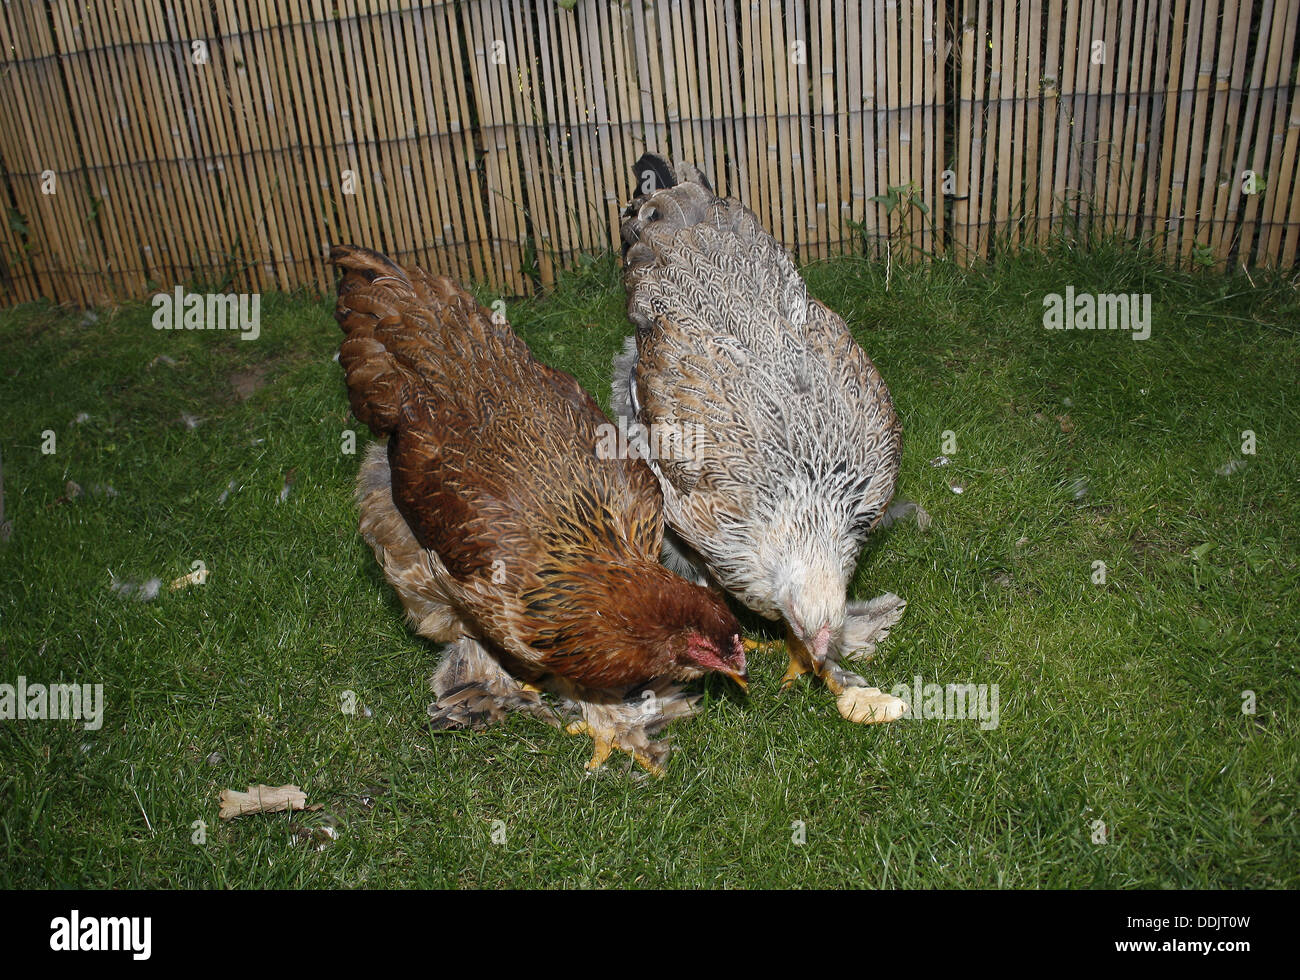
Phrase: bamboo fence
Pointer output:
(161, 142)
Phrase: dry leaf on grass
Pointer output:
(263, 799)
(198, 576)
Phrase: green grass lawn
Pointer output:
(1120, 703)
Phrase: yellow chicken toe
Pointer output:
(603, 746)
(648, 764)
(793, 672)
(600, 752)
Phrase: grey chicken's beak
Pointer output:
(821, 642)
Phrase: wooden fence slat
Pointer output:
(1229, 191)
(985, 190)
(1274, 27)
(1002, 90)
(866, 127)
(1280, 184)
(923, 102)
(1289, 176)
(1115, 20)
(1145, 132)
(1112, 169)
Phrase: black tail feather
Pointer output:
(652, 173)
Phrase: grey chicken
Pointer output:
(773, 436)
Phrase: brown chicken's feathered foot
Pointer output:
(626, 724)
(473, 690)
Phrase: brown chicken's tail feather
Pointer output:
(414, 341)
(386, 311)
(377, 385)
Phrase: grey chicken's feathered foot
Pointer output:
(859, 703)
(867, 623)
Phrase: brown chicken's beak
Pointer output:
(739, 678)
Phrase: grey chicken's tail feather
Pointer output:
(365, 263)
(666, 198)
(688, 252)
(652, 172)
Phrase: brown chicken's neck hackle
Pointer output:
(673, 628)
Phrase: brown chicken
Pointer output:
(503, 530)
